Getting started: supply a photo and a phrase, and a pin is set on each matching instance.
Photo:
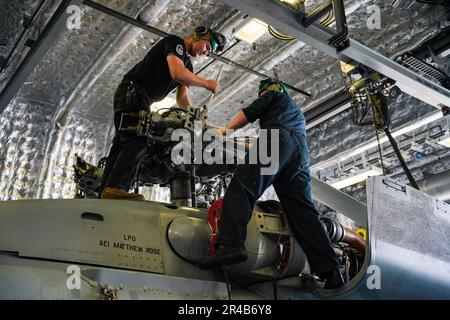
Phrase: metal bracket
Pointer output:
(286, 20)
(340, 39)
(191, 117)
(307, 20)
(270, 223)
(442, 206)
(394, 185)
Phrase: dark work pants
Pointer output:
(292, 184)
(127, 150)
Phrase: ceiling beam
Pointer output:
(285, 20)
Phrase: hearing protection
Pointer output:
(216, 39)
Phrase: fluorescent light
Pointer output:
(293, 2)
(163, 104)
(251, 31)
(445, 53)
(357, 177)
(357, 151)
(445, 140)
(404, 130)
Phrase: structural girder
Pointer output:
(285, 20)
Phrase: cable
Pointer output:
(213, 61)
(278, 35)
(169, 110)
(378, 137)
(227, 280)
(275, 288)
(381, 154)
(329, 19)
(400, 158)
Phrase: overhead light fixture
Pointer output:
(445, 53)
(357, 177)
(163, 104)
(251, 31)
(445, 140)
(357, 151)
(293, 2)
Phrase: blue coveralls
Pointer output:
(292, 183)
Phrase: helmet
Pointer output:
(271, 84)
(216, 39)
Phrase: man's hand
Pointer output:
(212, 85)
(223, 131)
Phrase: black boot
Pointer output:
(223, 255)
(333, 279)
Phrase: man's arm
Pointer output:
(238, 122)
(250, 114)
(183, 99)
(181, 74)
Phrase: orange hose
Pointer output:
(355, 240)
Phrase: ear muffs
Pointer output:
(216, 39)
(263, 87)
(201, 31)
(219, 41)
(270, 84)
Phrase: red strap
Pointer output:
(214, 215)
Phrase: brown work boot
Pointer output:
(117, 194)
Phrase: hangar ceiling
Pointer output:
(65, 106)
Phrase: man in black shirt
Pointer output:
(165, 67)
(292, 183)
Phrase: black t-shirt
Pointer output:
(153, 71)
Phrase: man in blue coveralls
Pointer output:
(292, 183)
